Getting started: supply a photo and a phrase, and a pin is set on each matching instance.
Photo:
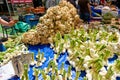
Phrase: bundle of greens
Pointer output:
(107, 18)
(25, 73)
(89, 50)
(13, 41)
(36, 73)
(12, 52)
(40, 58)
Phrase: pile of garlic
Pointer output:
(60, 18)
(31, 37)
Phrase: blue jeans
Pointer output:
(2, 47)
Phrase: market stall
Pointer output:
(62, 47)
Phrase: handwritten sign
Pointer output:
(19, 61)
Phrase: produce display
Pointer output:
(13, 41)
(25, 73)
(60, 18)
(31, 37)
(115, 23)
(14, 48)
(87, 47)
(90, 49)
(6, 56)
(56, 74)
(107, 17)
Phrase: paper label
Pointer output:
(7, 71)
(19, 61)
(15, 66)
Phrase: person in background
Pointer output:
(94, 2)
(73, 2)
(85, 10)
(118, 3)
(113, 2)
(102, 2)
(50, 3)
(5, 23)
(37, 3)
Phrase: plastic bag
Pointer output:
(22, 27)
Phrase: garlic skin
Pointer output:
(70, 78)
(104, 42)
(114, 76)
(33, 63)
(48, 77)
(38, 64)
(86, 65)
(73, 63)
(64, 50)
(70, 51)
(88, 75)
(50, 69)
(87, 58)
(44, 59)
(68, 58)
(56, 63)
(103, 71)
(45, 69)
(77, 69)
(60, 77)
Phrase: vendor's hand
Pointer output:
(12, 23)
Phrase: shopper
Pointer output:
(5, 23)
(118, 3)
(85, 11)
(73, 2)
(102, 2)
(37, 3)
(113, 2)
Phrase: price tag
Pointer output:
(7, 71)
(19, 61)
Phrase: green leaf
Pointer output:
(72, 43)
(102, 47)
(66, 37)
(61, 48)
(117, 66)
(109, 73)
(77, 75)
(64, 73)
(69, 71)
(58, 36)
(43, 75)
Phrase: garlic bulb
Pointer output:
(30, 37)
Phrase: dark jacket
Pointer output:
(83, 4)
(118, 3)
(37, 3)
(72, 2)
